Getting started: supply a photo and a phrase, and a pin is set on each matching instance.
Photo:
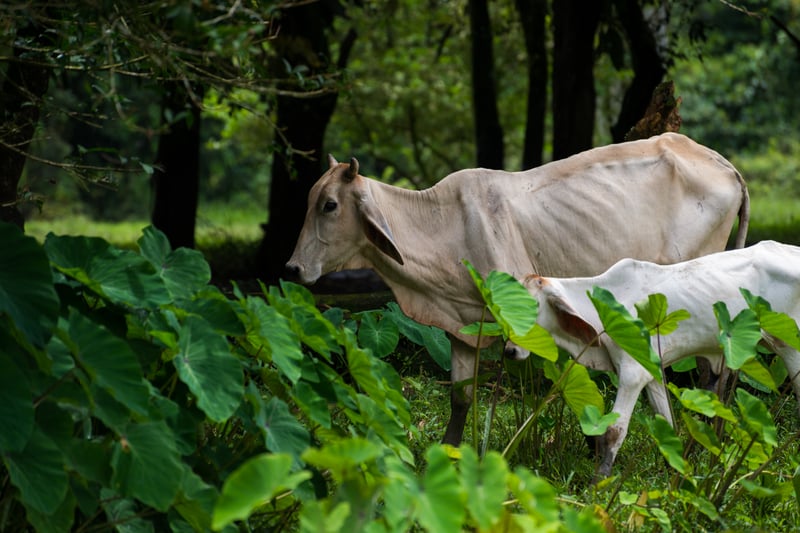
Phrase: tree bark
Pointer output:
(648, 67)
(22, 89)
(488, 132)
(298, 156)
(177, 175)
(533, 15)
(575, 24)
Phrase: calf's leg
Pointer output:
(632, 379)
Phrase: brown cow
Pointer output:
(665, 199)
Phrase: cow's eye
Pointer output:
(329, 206)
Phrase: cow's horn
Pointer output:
(332, 162)
(352, 172)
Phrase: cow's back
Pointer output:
(664, 199)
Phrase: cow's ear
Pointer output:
(377, 230)
(352, 170)
(571, 322)
(332, 162)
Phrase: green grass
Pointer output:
(216, 223)
(775, 218)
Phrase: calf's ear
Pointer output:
(377, 230)
(571, 322)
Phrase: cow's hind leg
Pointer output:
(462, 367)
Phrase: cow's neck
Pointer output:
(433, 286)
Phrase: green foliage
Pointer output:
(134, 395)
(722, 459)
(514, 311)
(738, 337)
(628, 333)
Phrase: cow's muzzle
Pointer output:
(514, 352)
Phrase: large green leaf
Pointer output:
(536, 496)
(124, 511)
(484, 482)
(702, 401)
(441, 502)
(282, 431)
(277, 339)
(510, 303)
(433, 339)
(377, 379)
(327, 517)
(109, 362)
(253, 484)
(538, 341)
(575, 385)
(653, 312)
(738, 337)
(344, 458)
(61, 519)
(26, 285)
(380, 336)
(146, 464)
(777, 324)
(629, 333)
(217, 310)
(297, 305)
(755, 370)
(122, 276)
(703, 433)
(594, 422)
(196, 501)
(437, 502)
(16, 406)
(208, 368)
(668, 442)
(38, 472)
(184, 271)
(757, 417)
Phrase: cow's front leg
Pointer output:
(462, 366)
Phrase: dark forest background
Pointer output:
(144, 110)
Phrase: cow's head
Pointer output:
(342, 219)
(556, 315)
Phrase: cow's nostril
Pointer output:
(292, 271)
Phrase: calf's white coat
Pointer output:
(768, 269)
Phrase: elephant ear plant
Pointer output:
(136, 395)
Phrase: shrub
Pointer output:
(134, 395)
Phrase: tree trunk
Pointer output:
(575, 25)
(23, 86)
(533, 15)
(488, 132)
(298, 157)
(177, 174)
(648, 67)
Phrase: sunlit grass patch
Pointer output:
(216, 223)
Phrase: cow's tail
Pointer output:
(744, 214)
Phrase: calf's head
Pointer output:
(556, 315)
(342, 219)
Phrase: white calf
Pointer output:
(768, 269)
